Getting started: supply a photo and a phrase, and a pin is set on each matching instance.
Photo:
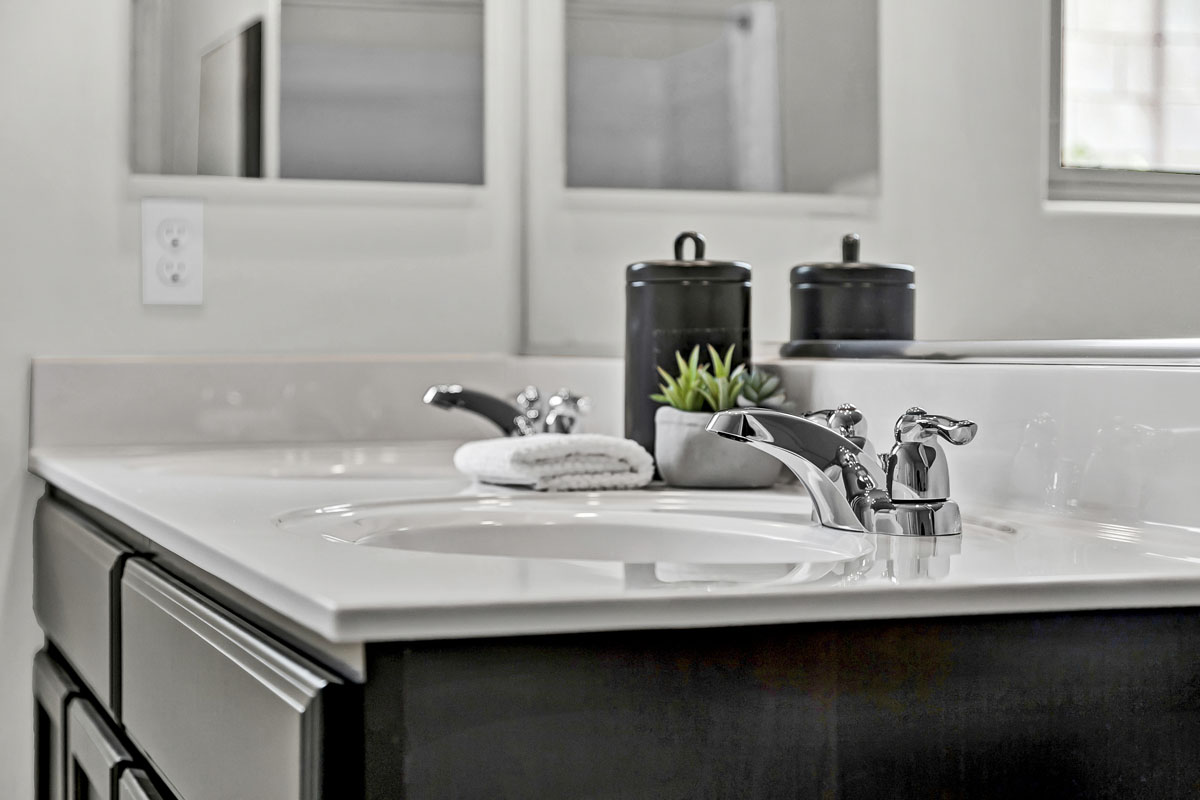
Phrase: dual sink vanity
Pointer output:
(265, 579)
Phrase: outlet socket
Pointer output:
(172, 251)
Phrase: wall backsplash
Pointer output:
(1113, 443)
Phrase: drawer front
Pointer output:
(218, 709)
(72, 592)
(53, 688)
(95, 756)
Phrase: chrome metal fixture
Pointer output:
(826, 448)
(529, 413)
(847, 420)
(812, 452)
(918, 478)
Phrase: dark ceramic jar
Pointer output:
(852, 299)
(674, 305)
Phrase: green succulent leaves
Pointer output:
(696, 386)
(717, 384)
(684, 390)
(723, 387)
(762, 390)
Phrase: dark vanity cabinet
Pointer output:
(53, 690)
(148, 689)
(135, 784)
(79, 754)
(201, 688)
(95, 755)
(76, 565)
(156, 686)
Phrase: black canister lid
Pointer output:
(681, 269)
(850, 269)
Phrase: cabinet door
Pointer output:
(136, 785)
(53, 688)
(94, 755)
(217, 708)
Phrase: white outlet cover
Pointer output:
(172, 251)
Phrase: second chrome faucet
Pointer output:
(528, 414)
(906, 492)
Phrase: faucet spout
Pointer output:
(500, 413)
(808, 449)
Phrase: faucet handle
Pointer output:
(529, 397)
(846, 420)
(917, 425)
(565, 409)
(916, 467)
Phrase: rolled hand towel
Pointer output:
(558, 462)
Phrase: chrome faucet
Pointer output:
(910, 499)
(812, 452)
(847, 420)
(527, 414)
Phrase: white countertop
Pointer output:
(223, 522)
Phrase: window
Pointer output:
(1125, 114)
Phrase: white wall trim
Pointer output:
(1120, 208)
(289, 191)
(732, 202)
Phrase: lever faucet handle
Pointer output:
(530, 403)
(916, 467)
(846, 420)
(564, 411)
(529, 397)
(917, 425)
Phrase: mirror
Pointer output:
(197, 103)
(761, 96)
(365, 90)
(671, 94)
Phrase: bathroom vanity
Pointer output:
(232, 617)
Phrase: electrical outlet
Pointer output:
(172, 251)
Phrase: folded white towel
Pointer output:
(558, 462)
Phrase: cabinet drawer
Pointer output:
(220, 710)
(72, 592)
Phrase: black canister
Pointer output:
(674, 306)
(853, 299)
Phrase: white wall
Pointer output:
(963, 115)
(291, 276)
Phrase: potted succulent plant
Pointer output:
(762, 390)
(689, 456)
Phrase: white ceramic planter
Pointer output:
(689, 456)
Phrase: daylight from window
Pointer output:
(1131, 84)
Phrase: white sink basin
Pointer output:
(699, 528)
(407, 461)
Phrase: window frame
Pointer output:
(1094, 183)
